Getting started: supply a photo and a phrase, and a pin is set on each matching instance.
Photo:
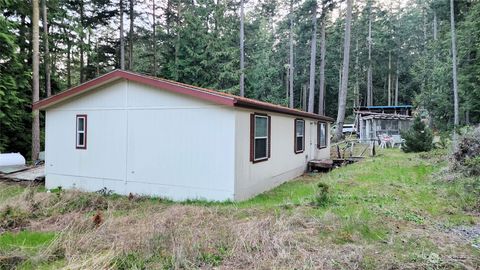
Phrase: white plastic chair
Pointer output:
(385, 140)
(397, 139)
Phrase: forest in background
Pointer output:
(197, 42)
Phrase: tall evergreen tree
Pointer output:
(35, 80)
(47, 51)
(342, 95)
(291, 64)
(242, 53)
(122, 40)
(456, 120)
(313, 54)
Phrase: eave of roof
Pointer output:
(176, 87)
(387, 107)
(387, 117)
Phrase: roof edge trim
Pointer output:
(284, 110)
(175, 87)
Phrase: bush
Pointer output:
(418, 138)
(322, 198)
(466, 157)
(443, 141)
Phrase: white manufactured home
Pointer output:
(137, 134)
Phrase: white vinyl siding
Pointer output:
(130, 148)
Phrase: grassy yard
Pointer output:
(394, 211)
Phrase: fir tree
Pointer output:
(418, 138)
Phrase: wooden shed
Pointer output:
(375, 121)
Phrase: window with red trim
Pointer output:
(260, 132)
(299, 135)
(81, 131)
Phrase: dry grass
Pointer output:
(366, 225)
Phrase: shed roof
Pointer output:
(176, 87)
(387, 107)
(386, 116)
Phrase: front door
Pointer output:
(311, 151)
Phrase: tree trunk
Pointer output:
(36, 81)
(69, 73)
(130, 44)
(313, 56)
(369, 72)
(389, 102)
(342, 96)
(48, 85)
(242, 64)
(340, 80)
(321, 96)
(454, 71)
(167, 16)
(89, 51)
(286, 83)
(290, 66)
(177, 43)
(356, 94)
(397, 74)
(97, 74)
(122, 41)
(82, 74)
(154, 41)
(424, 49)
(435, 37)
(424, 16)
(304, 97)
(53, 60)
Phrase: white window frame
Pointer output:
(79, 132)
(325, 131)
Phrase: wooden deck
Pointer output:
(328, 164)
(36, 173)
(323, 164)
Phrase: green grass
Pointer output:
(26, 240)
(391, 180)
(370, 196)
(29, 265)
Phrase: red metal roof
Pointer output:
(176, 87)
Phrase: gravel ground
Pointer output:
(469, 233)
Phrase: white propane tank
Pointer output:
(11, 159)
